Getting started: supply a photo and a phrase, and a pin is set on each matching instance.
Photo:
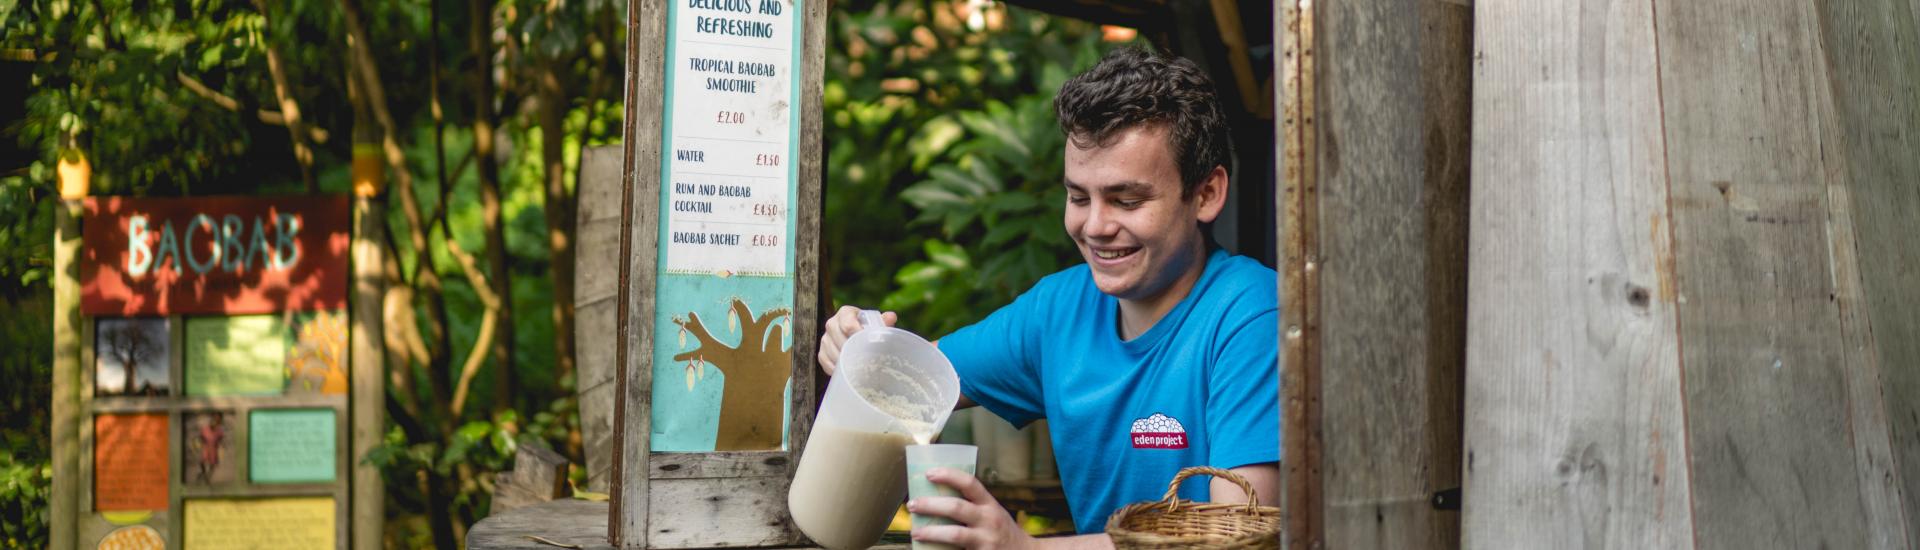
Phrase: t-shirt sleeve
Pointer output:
(1243, 395)
(998, 359)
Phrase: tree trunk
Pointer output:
(481, 16)
(560, 213)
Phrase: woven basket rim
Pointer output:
(1254, 525)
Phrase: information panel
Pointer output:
(130, 462)
(212, 340)
(302, 523)
(724, 296)
(291, 446)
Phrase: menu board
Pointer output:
(130, 462)
(724, 297)
(731, 134)
(301, 523)
(291, 446)
(242, 355)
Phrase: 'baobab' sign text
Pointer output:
(227, 255)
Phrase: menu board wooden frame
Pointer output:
(355, 489)
(705, 499)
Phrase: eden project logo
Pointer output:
(1159, 432)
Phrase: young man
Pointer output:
(1159, 353)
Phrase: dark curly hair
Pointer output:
(1131, 87)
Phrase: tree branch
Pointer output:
(224, 101)
(302, 152)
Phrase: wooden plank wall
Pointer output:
(595, 300)
(1693, 280)
(1873, 58)
(1379, 208)
(1574, 431)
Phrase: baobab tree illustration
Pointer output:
(756, 371)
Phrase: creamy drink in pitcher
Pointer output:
(846, 495)
(893, 390)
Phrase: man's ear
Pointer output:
(1212, 195)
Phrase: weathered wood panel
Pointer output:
(595, 297)
(1575, 429)
(1765, 384)
(538, 475)
(720, 465)
(1302, 499)
(1391, 157)
(1872, 55)
(639, 245)
(717, 513)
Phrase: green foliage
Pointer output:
(956, 123)
(23, 500)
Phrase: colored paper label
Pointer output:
(291, 446)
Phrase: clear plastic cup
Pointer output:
(921, 458)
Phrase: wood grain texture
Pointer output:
(1574, 431)
(809, 202)
(573, 522)
(639, 242)
(720, 513)
(64, 500)
(1392, 158)
(729, 464)
(1765, 381)
(1872, 55)
(538, 475)
(368, 406)
(1302, 501)
(596, 294)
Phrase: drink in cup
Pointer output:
(921, 458)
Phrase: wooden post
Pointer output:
(64, 502)
(1693, 278)
(1374, 151)
(640, 211)
(368, 367)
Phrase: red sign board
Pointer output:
(219, 255)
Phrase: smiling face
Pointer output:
(1126, 214)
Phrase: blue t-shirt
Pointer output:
(1201, 387)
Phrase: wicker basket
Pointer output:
(1173, 522)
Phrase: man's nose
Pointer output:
(1100, 222)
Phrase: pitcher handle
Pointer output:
(871, 318)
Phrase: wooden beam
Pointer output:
(639, 243)
(1226, 18)
(1302, 501)
(1876, 267)
(368, 407)
(1390, 157)
(64, 500)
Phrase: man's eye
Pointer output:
(1123, 203)
(1077, 201)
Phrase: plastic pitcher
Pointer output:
(892, 389)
